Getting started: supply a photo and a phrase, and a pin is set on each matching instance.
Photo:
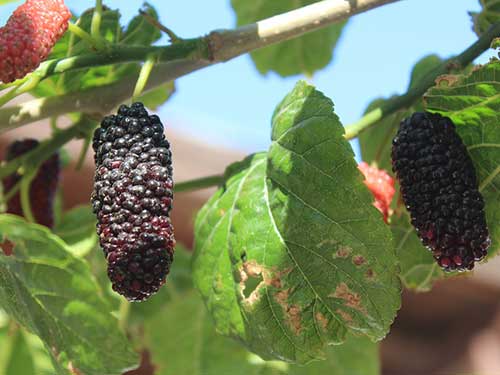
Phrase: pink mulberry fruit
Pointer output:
(381, 185)
(29, 35)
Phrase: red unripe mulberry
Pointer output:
(381, 184)
(29, 35)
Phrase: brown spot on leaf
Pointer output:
(358, 260)
(370, 274)
(321, 319)
(73, 370)
(446, 80)
(252, 268)
(276, 282)
(292, 312)
(55, 352)
(295, 318)
(282, 296)
(255, 270)
(7, 247)
(343, 252)
(345, 315)
(350, 298)
(146, 367)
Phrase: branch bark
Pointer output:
(176, 60)
(222, 45)
(227, 44)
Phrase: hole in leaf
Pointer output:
(251, 284)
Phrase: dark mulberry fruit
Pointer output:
(382, 187)
(132, 199)
(440, 190)
(43, 186)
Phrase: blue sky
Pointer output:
(231, 103)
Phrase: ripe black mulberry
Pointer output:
(132, 199)
(43, 186)
(440, 190)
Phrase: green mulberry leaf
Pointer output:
(200, 351)
(16, 357)
(357, 356)
(419, 270)
(140, 31)
(290, 253)
(54, 295)
(489, 15)
(305, 54)
(77, 229)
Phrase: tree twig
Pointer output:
(219, 45)
(407, 99)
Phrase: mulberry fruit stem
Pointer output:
(25, 196)
(53, 124)
(69, 52)
(199, 183)
(406, 100)
(123, 314)
(16, 83)
(146, 69)
(95, 43)
(7, 97)
(83, 152)
(25, 86)
(13, 191)
(95, 26)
